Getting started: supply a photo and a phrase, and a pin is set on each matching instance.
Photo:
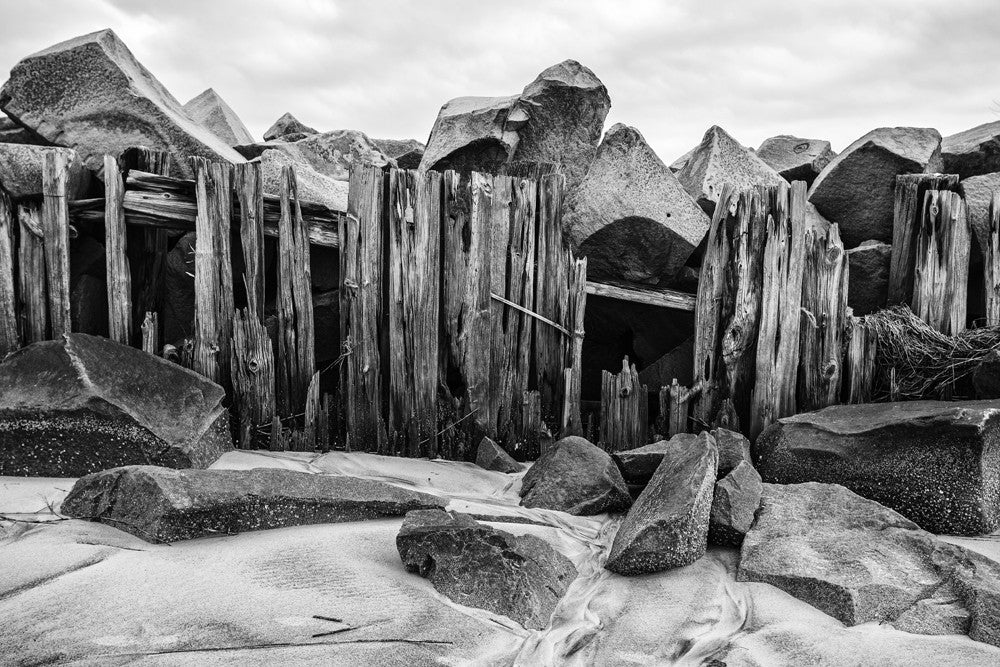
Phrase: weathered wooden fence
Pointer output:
(461, 312)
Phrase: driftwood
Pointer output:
(119, 276)
(248, 182)
(859, 369)
(55, 237)
(651, 296)
(552, 298)
(32, 280)
(310, 423)
(253, 376)
(151, 333)
(572, 423)
(10, 340)
(941, 274)
(991, 265)
(624, 409)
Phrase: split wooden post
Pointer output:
(940, 285)
(991, 265)
(253, 375)
(859, 371)
(151, 334)
(32, 280)
(311, 419)
(55, 236)
(624, 409)
(10, 340)
(119, 277)
(572, 423)
(248, 182)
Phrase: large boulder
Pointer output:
(796, 159)
(333, 153)
(856, 190)
(491, 456)
(734, 504)
(577, 477)
(471, 134)
(21, 170)
(475, 565)
(861, 562)
(935, 462)
(166, 505)
(972, 152)
(719, 159)
(312, 185)
(80, 404)
(90, 93)
(288, 128)
(868, 276)
(211, 111)
(12, 133)
(667, 526)
(406, 152)
(630, 216)
(977, 191)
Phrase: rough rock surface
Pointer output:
(313, 186)
(288, 128)
(640, 464)
(977, 191)
(796, 159)
(90, 93)
(986, 377)
(492, 456)
(734, 448)
(333, 153)
(935, 462)
(12, 133)
(469, 135)
(868, 288)
(667, 526)
(406, 152)
(720, 159)
(859, 562)
(630, 216)
(213, 112)
(972, 152)
(21, 170)
(856, 189)
(166, 505)
(734, 503)
(577, 477)
(475, 565)
(81, 404)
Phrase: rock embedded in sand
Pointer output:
(630, 216)
(667, 526)
(21, 170)
(935, 462)
(214, 113)
(736, 499)
(859, 561)
(166, 505)
(868, 275)
(475, 565)
(288, 128)
(577, 477)
(796, 159)
(90, 93)
(856, 189)
(80, 404)
(734, 448)
(491, 456)
(972, 152)
(640, 464)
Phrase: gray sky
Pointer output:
(833, 69)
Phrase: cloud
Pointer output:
(822, 70)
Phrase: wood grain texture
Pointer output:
(119, 275)
(248, 183)
(941, 271)
(55, 234)
(32, 279)
(991, 265)
(253, 376)
(10, 338)
(624, 409)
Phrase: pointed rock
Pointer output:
(406, 152)
(973, 152)
(856, 190)
(491, 456)
(868, 276)
(90, 93)
(287, 128)
(577, 477)
(667, 526)
(720, 159)
(630, 216)
(213, 113)
(734, 503)
(796, 159)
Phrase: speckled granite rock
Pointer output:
(81, 404)
(639, 465)
(21, 170)
(213, 112)
(972, 152)
(795, 158)
(868, 288)
(473, 564)
(935, 462)
(860, 562)
(577, 477)
(406, 152)
(667, 526)
(733, 447)
(288, 128)
(736, 499)
(165, 505)
(491, 456)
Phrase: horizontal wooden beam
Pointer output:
(652, 296)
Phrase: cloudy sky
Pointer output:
(830, 70)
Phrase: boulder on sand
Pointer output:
(475, 565)
(935, 462)
(667, 526)
(796, 159)
(287, 128)
(80, 404)
(972, 152)
(856, 190)
(90, 93)
(719, 159)
(577, 477)
(868, 276)
(212, 112)
(491, 456)
(860, 562)
(21, 170)
(734, 503)
(166, 505)
(630, 216)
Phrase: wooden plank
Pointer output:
(572, 423)
(248, 182)
(521, 289)
(55, 236)
(119, 275)
(624, 409)
(991, 265)
(941, 273)
(551, 299)
(209, 328)
(10, 339)
(253, 375)
(662, 297)
(33, 281)
(503, 319)
(311, 419)
(151, 333)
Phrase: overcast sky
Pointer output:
(830, 70)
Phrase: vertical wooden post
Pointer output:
(523, 248)
(55, 233)
(501, 316)
(32, 281)
(940, 285)
(572, 423)
(991, 265)
(859, 371)
(361, 266)
(312, 411)
(250, 196)
(552, 298)
(10, 340)
(151, 334)
(253, 373)
(624, 409)
(119, 277)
